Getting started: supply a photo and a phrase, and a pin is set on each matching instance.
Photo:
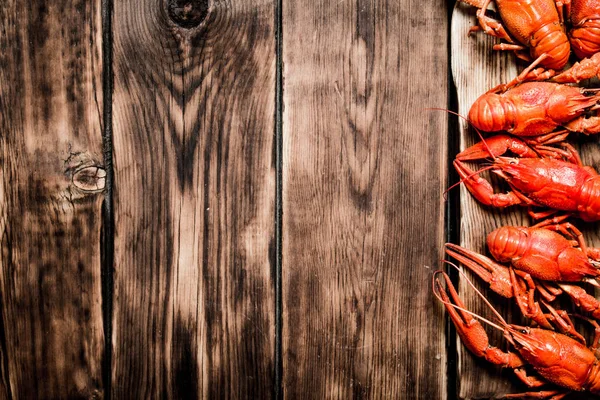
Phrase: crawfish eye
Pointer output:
(512, 162)
(523, 330)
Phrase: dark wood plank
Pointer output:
(364, 172)
(51, 334)
(194, 199)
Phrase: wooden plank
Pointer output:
(476, 68)
(364, 171)
(51, 334)
(194, 199)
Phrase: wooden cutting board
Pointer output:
(476, 68)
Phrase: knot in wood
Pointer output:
(90, 179)
(188, 13)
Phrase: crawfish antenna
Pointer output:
(443, 297)
(465, 178)
(487, 303)
(468, 122)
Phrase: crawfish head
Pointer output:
(558, 358)
(537, 346)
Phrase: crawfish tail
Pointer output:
(585, 38)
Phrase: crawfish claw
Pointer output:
(482, 190)
(495, 274)
(469, 329)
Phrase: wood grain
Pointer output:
(476, 68)
(51, 333)
(194, 199)
(363, 175)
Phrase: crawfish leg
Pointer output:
(535, 382)
(544, 394)
(537, 74)
(531, 308)
(476, 3)
(587, 126)
(531, 73)
(564, 323)
(564, 8)
(568, 153)
(548, 292)
(567, 228)
(509, 47)
(541, 214)
(582, 299)
(559, 154)
(596, 340)
(593, 253)
(549, 138)
(572, 154)
(584, 69)
(530, 381)
(491, 26)
(551, 222)
(526, 301)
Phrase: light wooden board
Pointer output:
(194, 199)
(364, 167)
(476, 68)
(51, 332)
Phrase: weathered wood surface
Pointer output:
(194, 113)
(476, 68)
(51, 333)
(364, 171)
(194, 199)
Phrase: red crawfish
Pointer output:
(504, 281)
(532, 28)
(584, 34)
(535, 108)
(538, 177)
(549, 251)
(556, 358)
(553, 252)
(527, 106)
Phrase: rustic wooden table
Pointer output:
(223, 199)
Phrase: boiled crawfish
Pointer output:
(535, 108)
(537, 253)
(538, 177)
(584, 35)
(557, 358)
(526, 108)
(542, 252)
(532, 28)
